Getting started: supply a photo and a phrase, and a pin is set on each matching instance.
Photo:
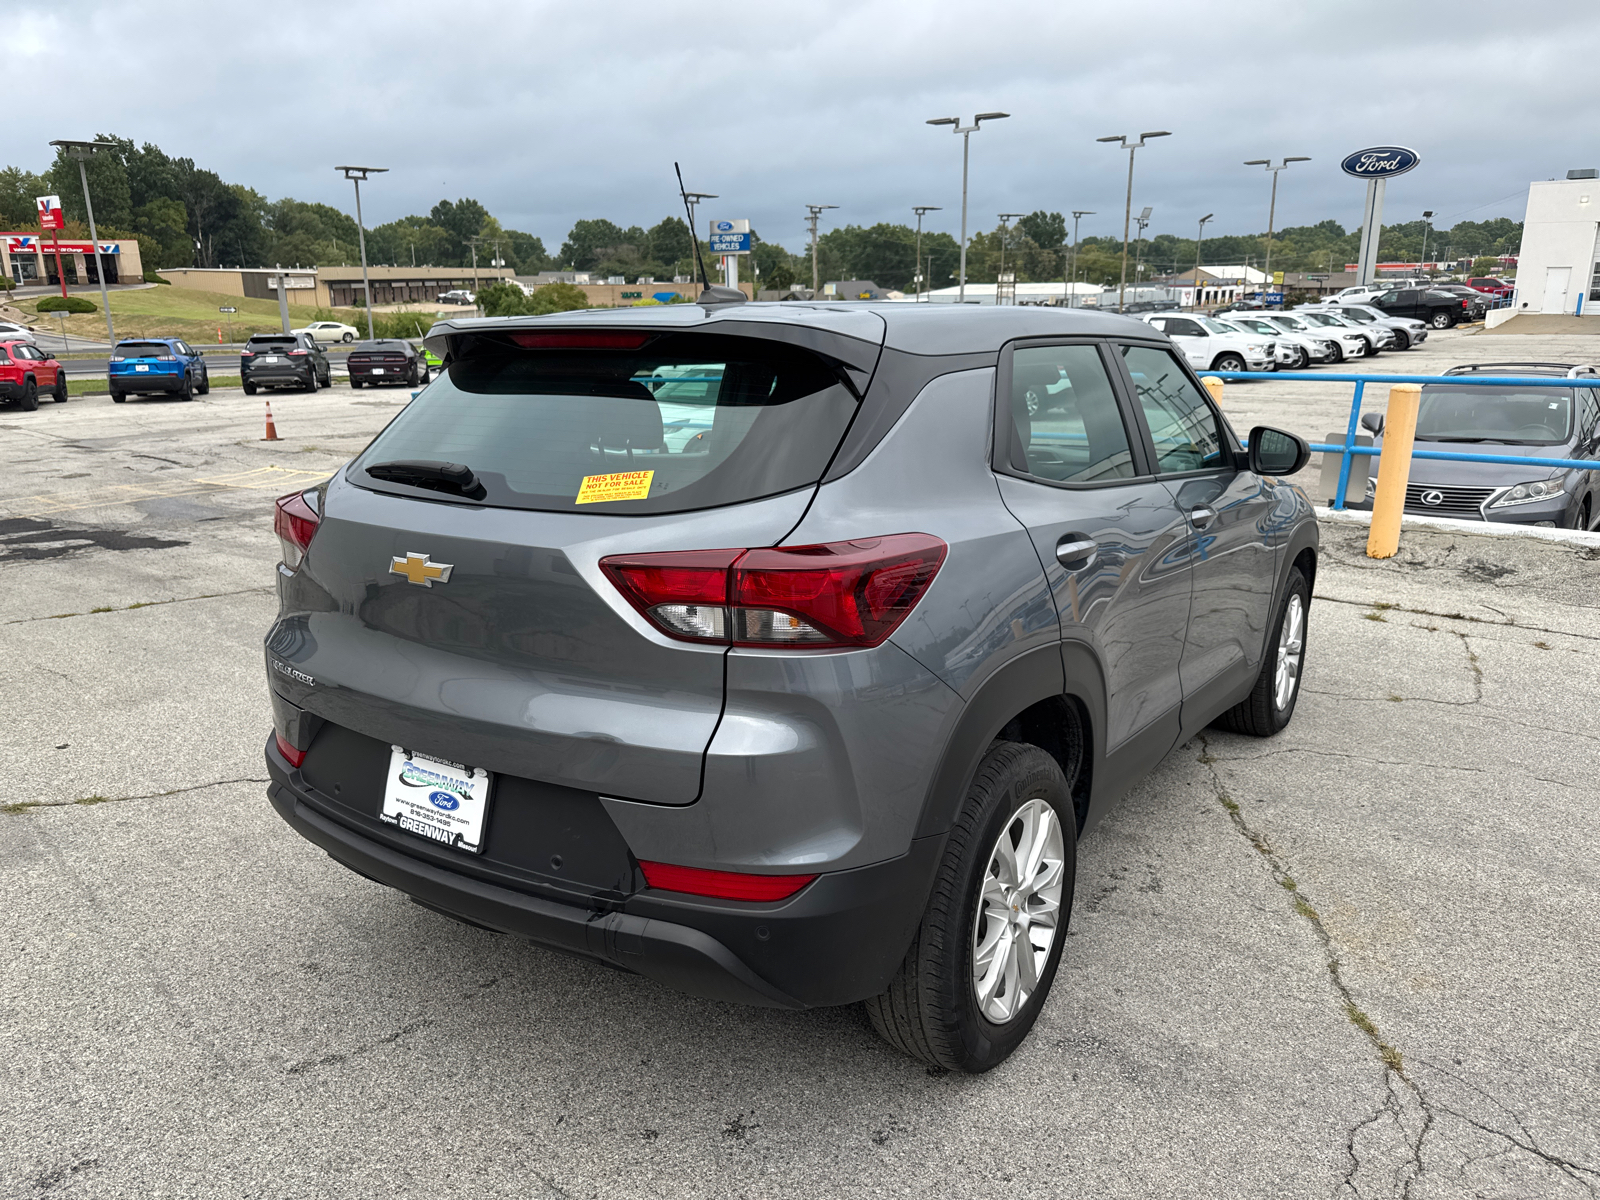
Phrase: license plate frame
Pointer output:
(418, 792)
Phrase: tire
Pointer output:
(348, 338)
(1303, 360)
(249, 389)
(310, 384)
(1338, 352)
(1228, 362)
(1443, 319)
(1402, 340)
(355, 383)
(186, 392)
(59, 392)
(427, 376)
(118, 398)
(30, 396)
(1270, 704)
(931, 1010)
(411, 379)
(205, 383)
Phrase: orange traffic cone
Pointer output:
(219, 335)
(272, 429)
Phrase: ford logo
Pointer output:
(1380, 162)
(724, 226)
(444, 800)
(1431, 498)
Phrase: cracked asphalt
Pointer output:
(1356, 960)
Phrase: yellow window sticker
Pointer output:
(623, 485)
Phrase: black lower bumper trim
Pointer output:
(675, 955)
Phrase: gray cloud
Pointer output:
(548, 112)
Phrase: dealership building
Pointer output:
(1558, 267)
(334, 287)
(29, 259)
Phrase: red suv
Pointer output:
(26, 370)
(1495, 287)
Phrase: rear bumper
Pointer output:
(10, 390)
(837, 941)
(145, 381)
(385, 374)
(276, 376)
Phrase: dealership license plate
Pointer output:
(270, 358)
(442, 801)
(377, 370)
(141, 367)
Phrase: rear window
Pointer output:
(143, 350)
(686, 421)
(275, 341)
(1504, 415)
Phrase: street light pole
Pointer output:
(919, 210)
(1005, 235)
(1143, 221)
(81, 151)
(1127, 212)
(1272, 210)
(1427, 218)
(816, 210)
(966, 132)
(355, 175)
(1072, 294)
(1199, 237)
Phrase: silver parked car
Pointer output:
(1408, 332)
(808, 707)
(1296, 351)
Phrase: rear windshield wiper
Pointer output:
(435, 476)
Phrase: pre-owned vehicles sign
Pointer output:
(1380, 162)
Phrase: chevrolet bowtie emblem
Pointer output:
(419, 568)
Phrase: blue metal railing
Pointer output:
(1348, 449)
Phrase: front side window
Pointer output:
(1067, 425)
(651, 424)
(1182, 425)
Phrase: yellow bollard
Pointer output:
(1214, 386)
(1394, 470)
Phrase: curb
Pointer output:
(1566, 537)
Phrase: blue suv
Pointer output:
(149, 366)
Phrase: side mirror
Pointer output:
(1372, 423)
(1274, 452)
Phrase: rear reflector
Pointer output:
(580, 341)
(853, 593)
(723, 885)
(295, 757)
(295, 522)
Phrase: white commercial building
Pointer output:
(1084, 295)
(1558, 268)
(1218, 285)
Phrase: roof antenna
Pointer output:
(709, 294)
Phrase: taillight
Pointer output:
(247, 354)
(295, 757)
(295, 522)
(166, 358)
(724, 885)
(299, 352)
(853, 593)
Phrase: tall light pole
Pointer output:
(1427, 227)
(1143, 221)
(692, 200)
(1005, 234)
(1272, 209)
(919, 210)
(1072, 293)
(1127, 212)
(81, 151)
(816, 210)
(357, 175)
(966, 132)
(1199, 237)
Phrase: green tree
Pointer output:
(671, 246)
(162, 226)
(19, 190)
(1045, 230)
(527, 252)
(557, 297)
(108, 185)
(586, 241)
(462, 220)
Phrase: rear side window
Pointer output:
(1067, 425)
(4, 357)
(1182, 425)
(685, 421)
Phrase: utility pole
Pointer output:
(1427, 227)
(1005, 236)
(1127, 212)
(1143, 221)
(919, 210)
(816, 210)
(1199, 237)
(356, 175)
(472, 243)
(1073, 293)
(82, 151)
(1272, 209)
(966, 132)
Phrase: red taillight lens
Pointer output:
(301, 353)
(166, 358)
(724, 885)
(295, 522)
(247, 354)
(852, 593)
(295, 757)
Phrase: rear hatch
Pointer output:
(269, 355)
(467, 617)
(136, 360)
(377, 360)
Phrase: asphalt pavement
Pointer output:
(1357, 959)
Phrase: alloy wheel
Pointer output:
(1291, 645)
(1019, 911)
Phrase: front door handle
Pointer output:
(1076, 550)
(1201, 515)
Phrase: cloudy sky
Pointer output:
(548, 112)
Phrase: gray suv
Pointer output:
(781, 653)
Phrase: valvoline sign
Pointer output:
(1380, 162)
(50, 216)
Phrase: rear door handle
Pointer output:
(1201, 516)
(1075, 550)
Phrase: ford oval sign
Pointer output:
(1380, 162)
(444, 800)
